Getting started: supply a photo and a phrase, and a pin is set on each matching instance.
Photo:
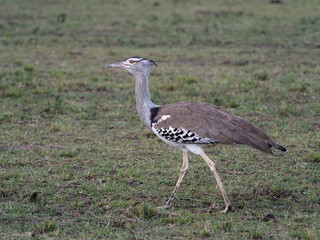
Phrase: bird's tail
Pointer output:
(282, 148)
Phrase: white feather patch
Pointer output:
(163, 118)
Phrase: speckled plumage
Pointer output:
(180, 135)
(209, 124)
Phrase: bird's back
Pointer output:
(211, 124)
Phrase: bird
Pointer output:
(191, 125)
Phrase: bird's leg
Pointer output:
(183, 171)
(212, 167)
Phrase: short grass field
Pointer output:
(77, 163)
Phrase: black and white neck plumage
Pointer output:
(140, 68)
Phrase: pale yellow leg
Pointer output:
(212, 167)
(183, 172)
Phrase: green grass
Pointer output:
(77, 163)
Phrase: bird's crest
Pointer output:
(136, 59)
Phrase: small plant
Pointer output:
(288, 110)
(224, 226)
(49, 226)
(12, 92)
(260, 75)
(256, 235)
(241, 62)
(68, 154)
(312, 157)
(3, 192)
(187, 79)
(233, 103)
(28, 68)
(37, 198)
(146, 211)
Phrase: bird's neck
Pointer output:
(143, 100)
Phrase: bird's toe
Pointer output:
(228, 208)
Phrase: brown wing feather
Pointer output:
(213, 122)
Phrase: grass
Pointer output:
(77, 163)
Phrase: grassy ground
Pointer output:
(75, 160)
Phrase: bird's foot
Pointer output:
(169, 204)
(165, 207)
(228, 208)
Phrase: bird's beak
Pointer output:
(115, 65)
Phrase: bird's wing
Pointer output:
(193, 122)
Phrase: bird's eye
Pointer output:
(131, 61)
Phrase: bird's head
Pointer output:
(134, 65)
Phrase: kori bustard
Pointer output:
(190, 125)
